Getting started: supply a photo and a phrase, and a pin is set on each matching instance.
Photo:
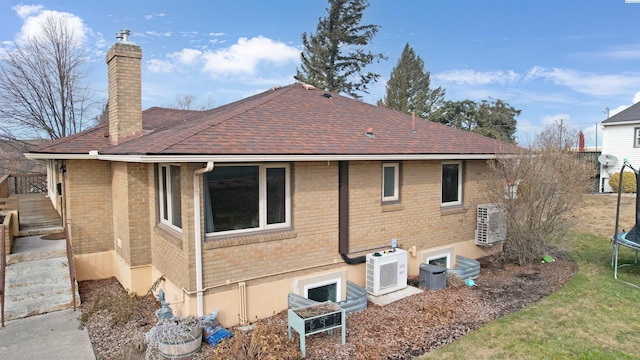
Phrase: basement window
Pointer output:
(439, 261)
(327, 291)
(440, 258)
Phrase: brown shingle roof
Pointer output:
(294, 121)
(97, 138)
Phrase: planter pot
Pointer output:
(182, 348)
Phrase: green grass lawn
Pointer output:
(592, 317)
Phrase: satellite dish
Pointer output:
(607, 160)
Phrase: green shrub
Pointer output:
(628, 182)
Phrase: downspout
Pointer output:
(343, 215)
(198, 233)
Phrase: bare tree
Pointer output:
(42, 88)
(12, 160)
(188, 102)
(540, 189)
(184, 102)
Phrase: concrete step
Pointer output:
(36, 307)
(36, 255)
(56, 271)
(37, 287)
(49, 228)
(34, 292)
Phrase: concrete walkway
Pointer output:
(49, 336)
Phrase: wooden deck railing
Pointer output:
(72, 267)
(3, 264)
(5, 188)
(28, 183)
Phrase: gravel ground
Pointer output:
(401, 330)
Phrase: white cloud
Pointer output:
(24, 11)
(160, 66)
(186, 56)
(471, 77)
(34, 16)
(622, 52)
(586, 82)
(636, 98)
(241, 58)
(158, 34)
(153, 16)
(190, 34)
(245, 55)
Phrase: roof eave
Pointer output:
(625, 122)
(289, 158)
(61, 156)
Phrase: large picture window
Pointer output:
(451, 183)
(390, 182)
(243, 198)
(169, 195)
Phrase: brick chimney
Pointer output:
(125, 89)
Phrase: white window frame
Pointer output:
(460, 185)
(396, 180)
(262, 211)
(337, 281)
(446, 255)
(168, 195)
(636, 137)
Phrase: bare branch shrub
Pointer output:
(540, 189)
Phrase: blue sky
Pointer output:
(553, 60)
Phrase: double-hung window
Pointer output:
(451, 183)
(390, 182)
(636, 137)
(169, 195)
(245, 198)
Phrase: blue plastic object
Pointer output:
(218, 336)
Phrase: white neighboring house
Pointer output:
(622, 140)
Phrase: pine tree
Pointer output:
(457, 114)
(497, 119)
(334, 57)
(492, 118)
(408, 88)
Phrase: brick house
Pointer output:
(284, 191)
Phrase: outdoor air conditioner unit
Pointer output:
(491, 226)
(386, 271)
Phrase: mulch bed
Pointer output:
(400, 330)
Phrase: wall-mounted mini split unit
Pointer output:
(491, 225)
(386, 271)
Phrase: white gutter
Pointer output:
(45, 156)
(198, 233)
(286, 158)
(630, 122)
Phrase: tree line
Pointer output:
(334, 58)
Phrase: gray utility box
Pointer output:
(432, 277)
